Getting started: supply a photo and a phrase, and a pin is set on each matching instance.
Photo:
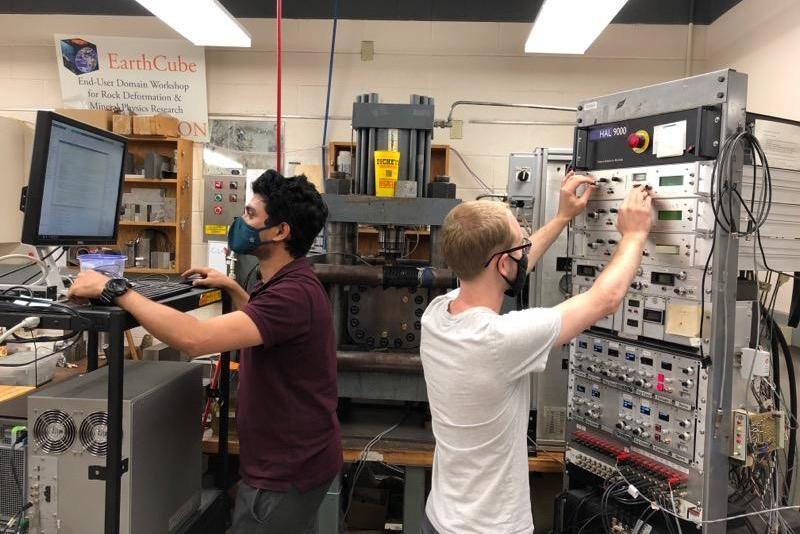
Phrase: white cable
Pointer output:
(27, 323)
(709, 521)
(469, 170)
(31, 259)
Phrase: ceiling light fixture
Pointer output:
(203, 22)
(570, 26)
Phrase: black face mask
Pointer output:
(518, 283)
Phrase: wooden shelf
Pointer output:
(147, 270)
(146, 223)
(154, 138)
(151, 181)
(178, 234)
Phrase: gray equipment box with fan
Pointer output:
(67, 423)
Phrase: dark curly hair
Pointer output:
(296, 202)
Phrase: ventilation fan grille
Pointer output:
(54, 432)
(93, 433)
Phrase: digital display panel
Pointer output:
(663, 279)
(667, 181)
(670, 215)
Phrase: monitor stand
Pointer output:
(53, 277)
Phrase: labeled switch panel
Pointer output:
(224, 199)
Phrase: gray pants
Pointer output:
(260, 511)
(426, 527)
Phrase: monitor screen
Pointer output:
(75, 185)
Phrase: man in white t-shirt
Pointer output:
(477, 361)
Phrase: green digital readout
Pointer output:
(666, 181)
(670, 215)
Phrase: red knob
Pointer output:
(218, 210)
(636, 140)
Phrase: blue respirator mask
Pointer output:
(243, 238)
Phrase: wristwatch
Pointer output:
(115, 287)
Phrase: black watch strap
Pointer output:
(114, 289)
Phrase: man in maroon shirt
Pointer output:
(290, 447)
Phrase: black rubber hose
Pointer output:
(776, 363)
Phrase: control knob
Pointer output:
(685, 423)
(641, 383)
(523, 175)
(638, 285)
(684, 436)
(681, 291)
(687, 383)
(681, 275)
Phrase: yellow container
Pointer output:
(387, 165)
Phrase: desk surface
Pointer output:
(11, 392)
(405, 453)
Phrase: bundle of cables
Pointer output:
(743, 218)
(33, 306)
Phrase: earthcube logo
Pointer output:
(79, 56)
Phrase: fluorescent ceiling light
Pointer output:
(203, 22)
(570, 26)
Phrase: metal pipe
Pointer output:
(390, 362)
(364, 152)
(437, 258)
(373, 98)
(449, 121)
(357, 164)
(427, 173)
(420, 161)
(372, 275)
(687, 68)
(522, 123)
(341, 241)
(412, 157)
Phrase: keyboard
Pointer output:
(160, 290)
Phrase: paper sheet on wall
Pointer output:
(781, 143)
(669, 140)
(216, 255)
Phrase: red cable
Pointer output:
(279, 16)
(214, 382)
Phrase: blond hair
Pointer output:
(471, 233)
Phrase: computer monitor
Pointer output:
(75, 184)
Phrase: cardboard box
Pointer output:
(94, 117)
(155, 125)
(122, 124)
